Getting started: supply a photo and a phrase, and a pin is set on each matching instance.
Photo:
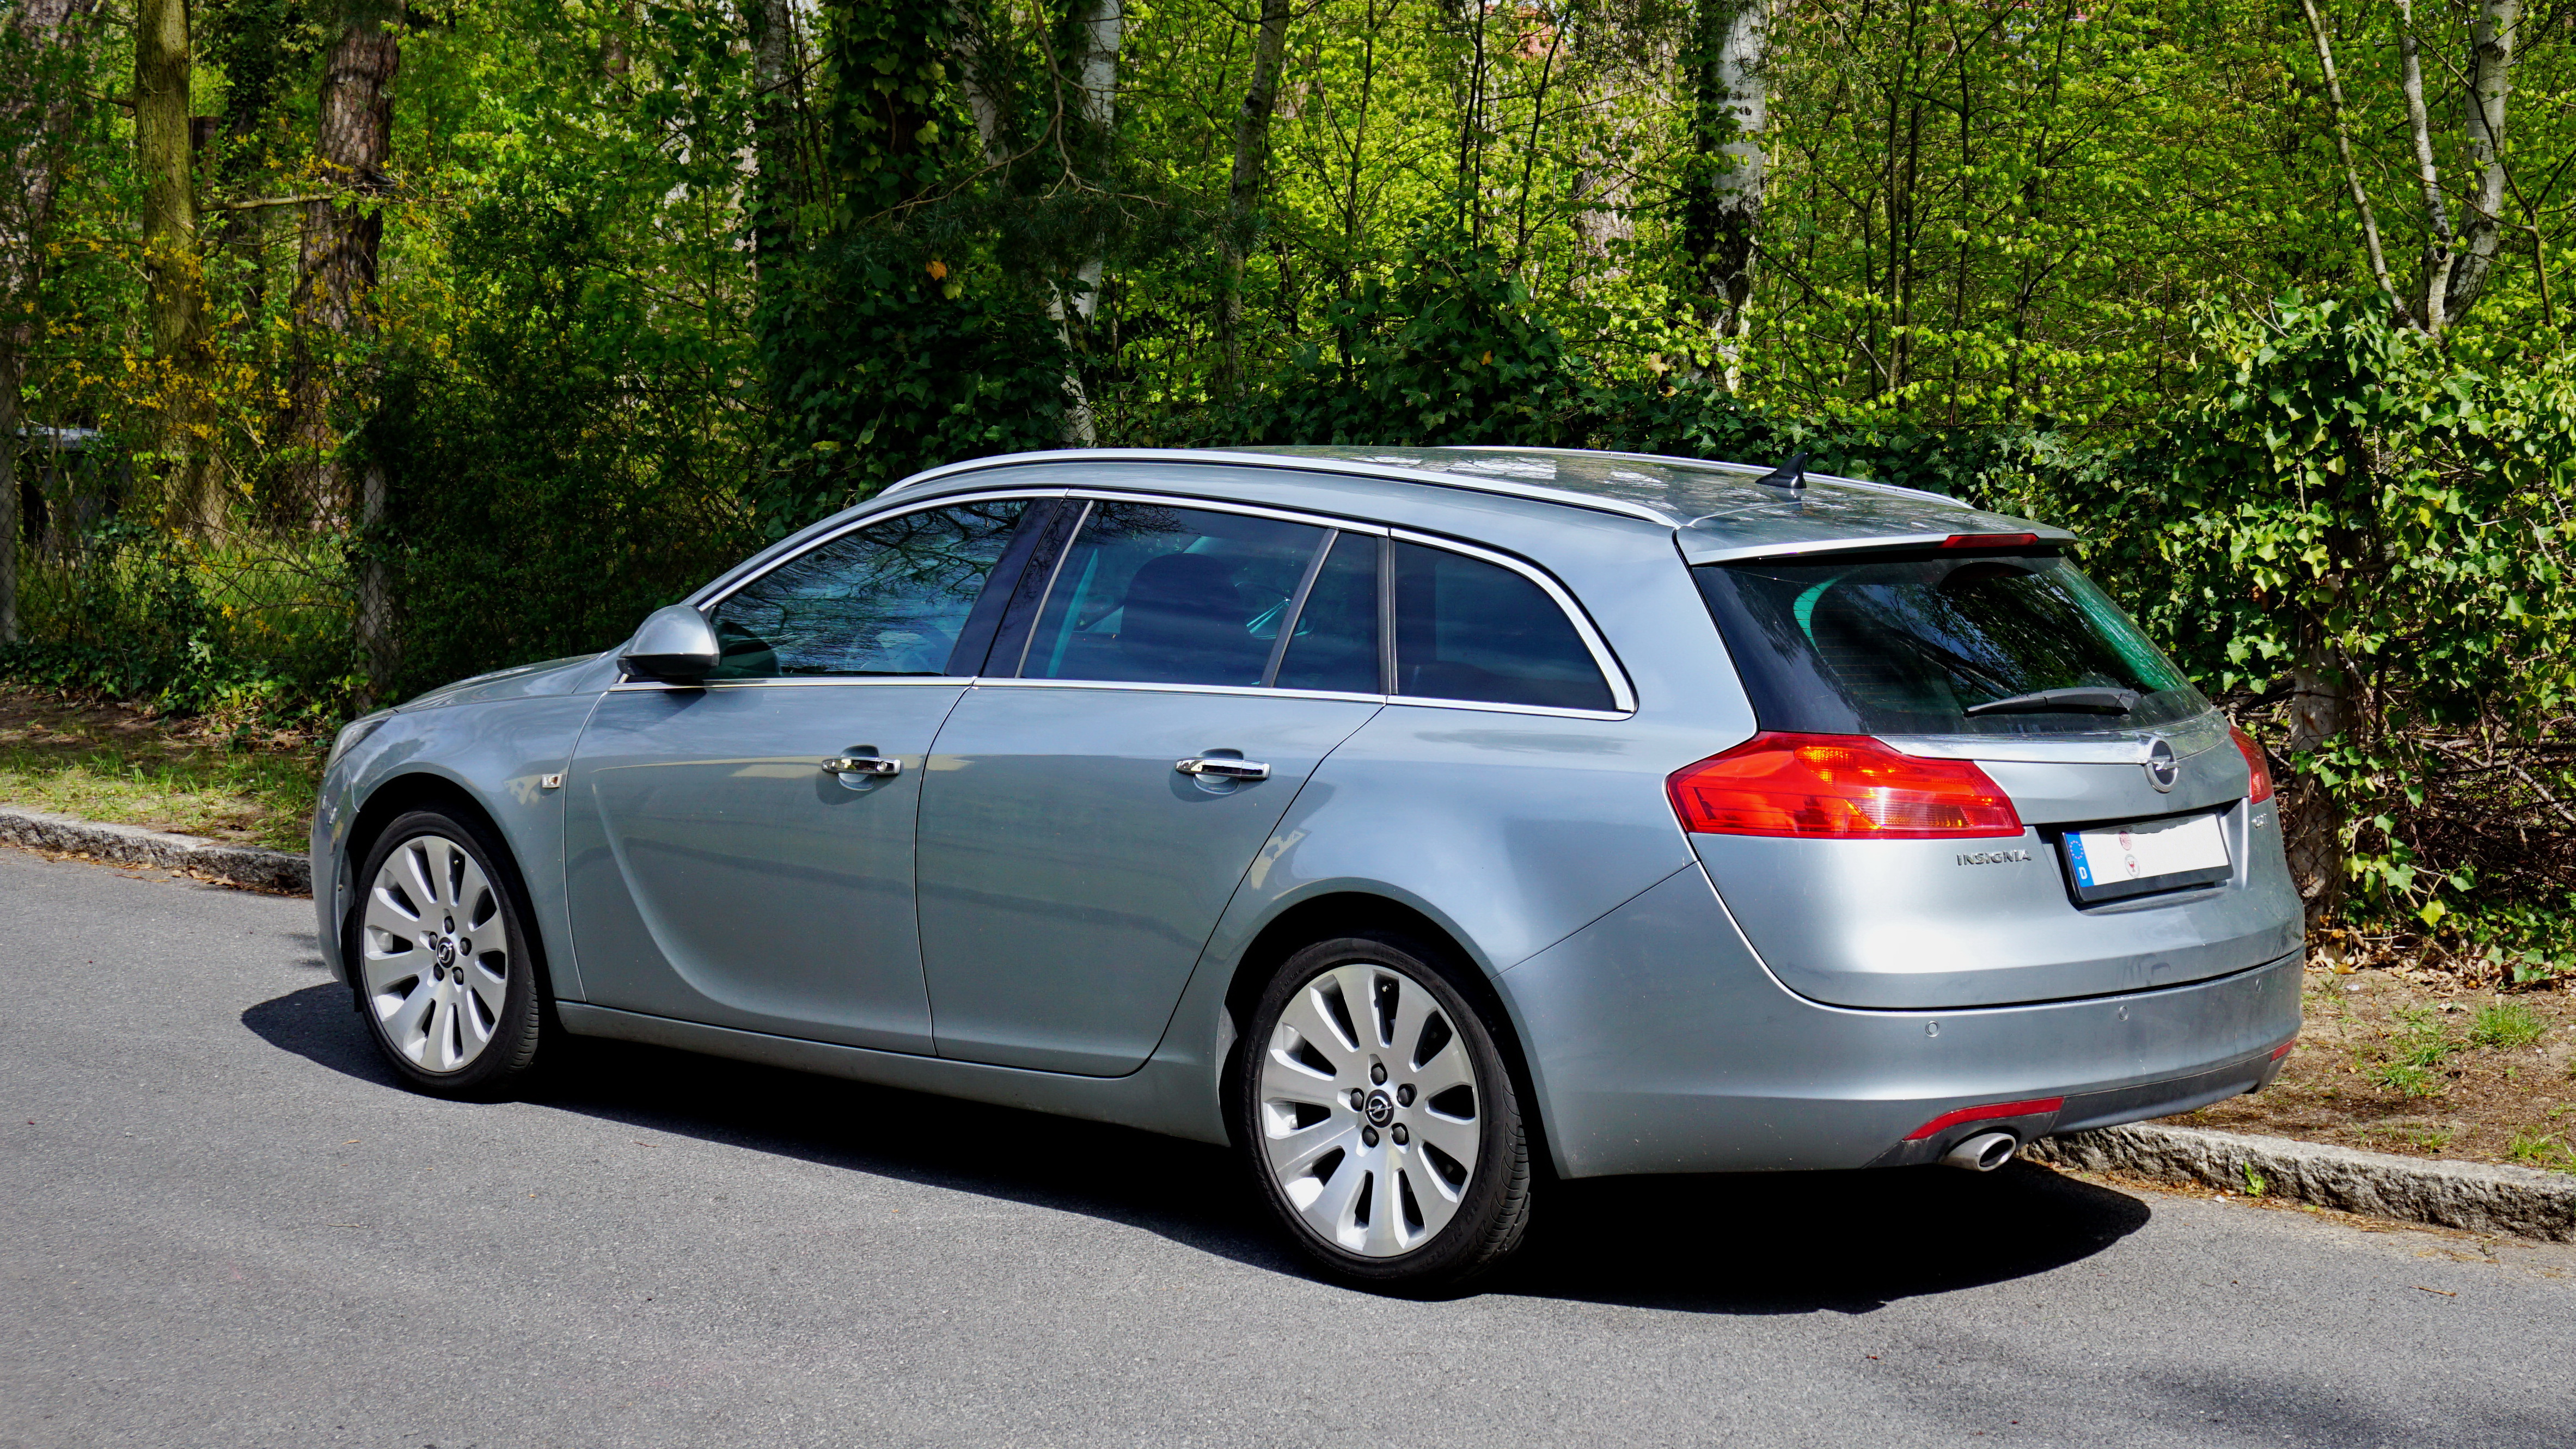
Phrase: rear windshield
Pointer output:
(1916, 644)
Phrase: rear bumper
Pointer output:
(2083, 1111)
(1658, 1043)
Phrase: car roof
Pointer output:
(1718, 510)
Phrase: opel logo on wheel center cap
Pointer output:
(1381, 1109)
(2162, 768)
(447, 953)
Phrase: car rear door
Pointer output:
(741, 853)
(1090, 806)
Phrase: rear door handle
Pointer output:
(861, 765)
(1224, 769)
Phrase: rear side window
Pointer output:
(1467, 629)
(1162, 595)
(1938, 644)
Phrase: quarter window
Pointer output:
(1466, 629)
(887, 599)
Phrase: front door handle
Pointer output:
(861, 765)
(1224, 769)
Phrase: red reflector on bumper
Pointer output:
(2283, 1049)
(2031, 1108)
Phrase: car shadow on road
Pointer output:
(1744, 1243)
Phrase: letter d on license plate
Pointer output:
(2108, 862)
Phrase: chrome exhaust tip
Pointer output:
(1984, 1152)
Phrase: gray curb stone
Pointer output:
(2467, 1195)
(241, 865)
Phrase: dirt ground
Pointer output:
(2411, 1061)
(113, 762)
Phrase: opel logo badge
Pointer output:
(1380, 1109)
(2163, 770)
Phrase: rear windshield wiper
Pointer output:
(2079, 700)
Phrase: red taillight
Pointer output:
(2031, 1108)
(1990, 540)
(2260, 788)
(1848, 787)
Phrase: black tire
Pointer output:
(1489, 1211)
(386, 983)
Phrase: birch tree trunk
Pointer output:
(1100, 28)
(35, 116)
(2490, 81)
(174, 276)
(1722, 191)
(1243, 190)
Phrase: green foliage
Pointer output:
(884, 360)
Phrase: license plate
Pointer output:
(2144, 856)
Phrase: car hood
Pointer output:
(571, 675)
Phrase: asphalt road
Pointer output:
(222, 1224)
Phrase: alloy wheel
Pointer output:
(1367, 1106)
(435, 958)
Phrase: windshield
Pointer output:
(1939, 644)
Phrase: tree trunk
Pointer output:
(2433, 275)
(174, 276)
(1722, 188)
(35, 115)
(1099, 29)
(2490, 81)
(1243, 191)
(336, 269)
(774, 191)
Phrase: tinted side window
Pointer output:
(1164, 595)
(1335, 644)
(890, 598)
(1468, 629)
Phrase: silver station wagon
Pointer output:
(1430, 825)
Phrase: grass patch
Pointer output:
(2507, 1024)
(2537, 1149)
(2412, 1067)
(105, 762)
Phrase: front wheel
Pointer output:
(439, 946)
(1378, 1117)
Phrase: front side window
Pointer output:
(1939, 644)
(1156, 594)
(887, 599)
(1466, 629)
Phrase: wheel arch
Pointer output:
(399, 795)
(1349, 911)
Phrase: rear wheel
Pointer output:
(1378, 1118)
(438, 943)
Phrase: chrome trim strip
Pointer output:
(1136, 686)
(792, 681)
(1664, 517)
(1224, 505)
(1549, 710)
(1622, 695)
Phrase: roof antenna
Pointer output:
(1791, 475)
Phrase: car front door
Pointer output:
(741, 853)
(1085, 819)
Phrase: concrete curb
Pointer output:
(2467, 1195)
(240, 865)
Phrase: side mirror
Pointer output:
(676, 644)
